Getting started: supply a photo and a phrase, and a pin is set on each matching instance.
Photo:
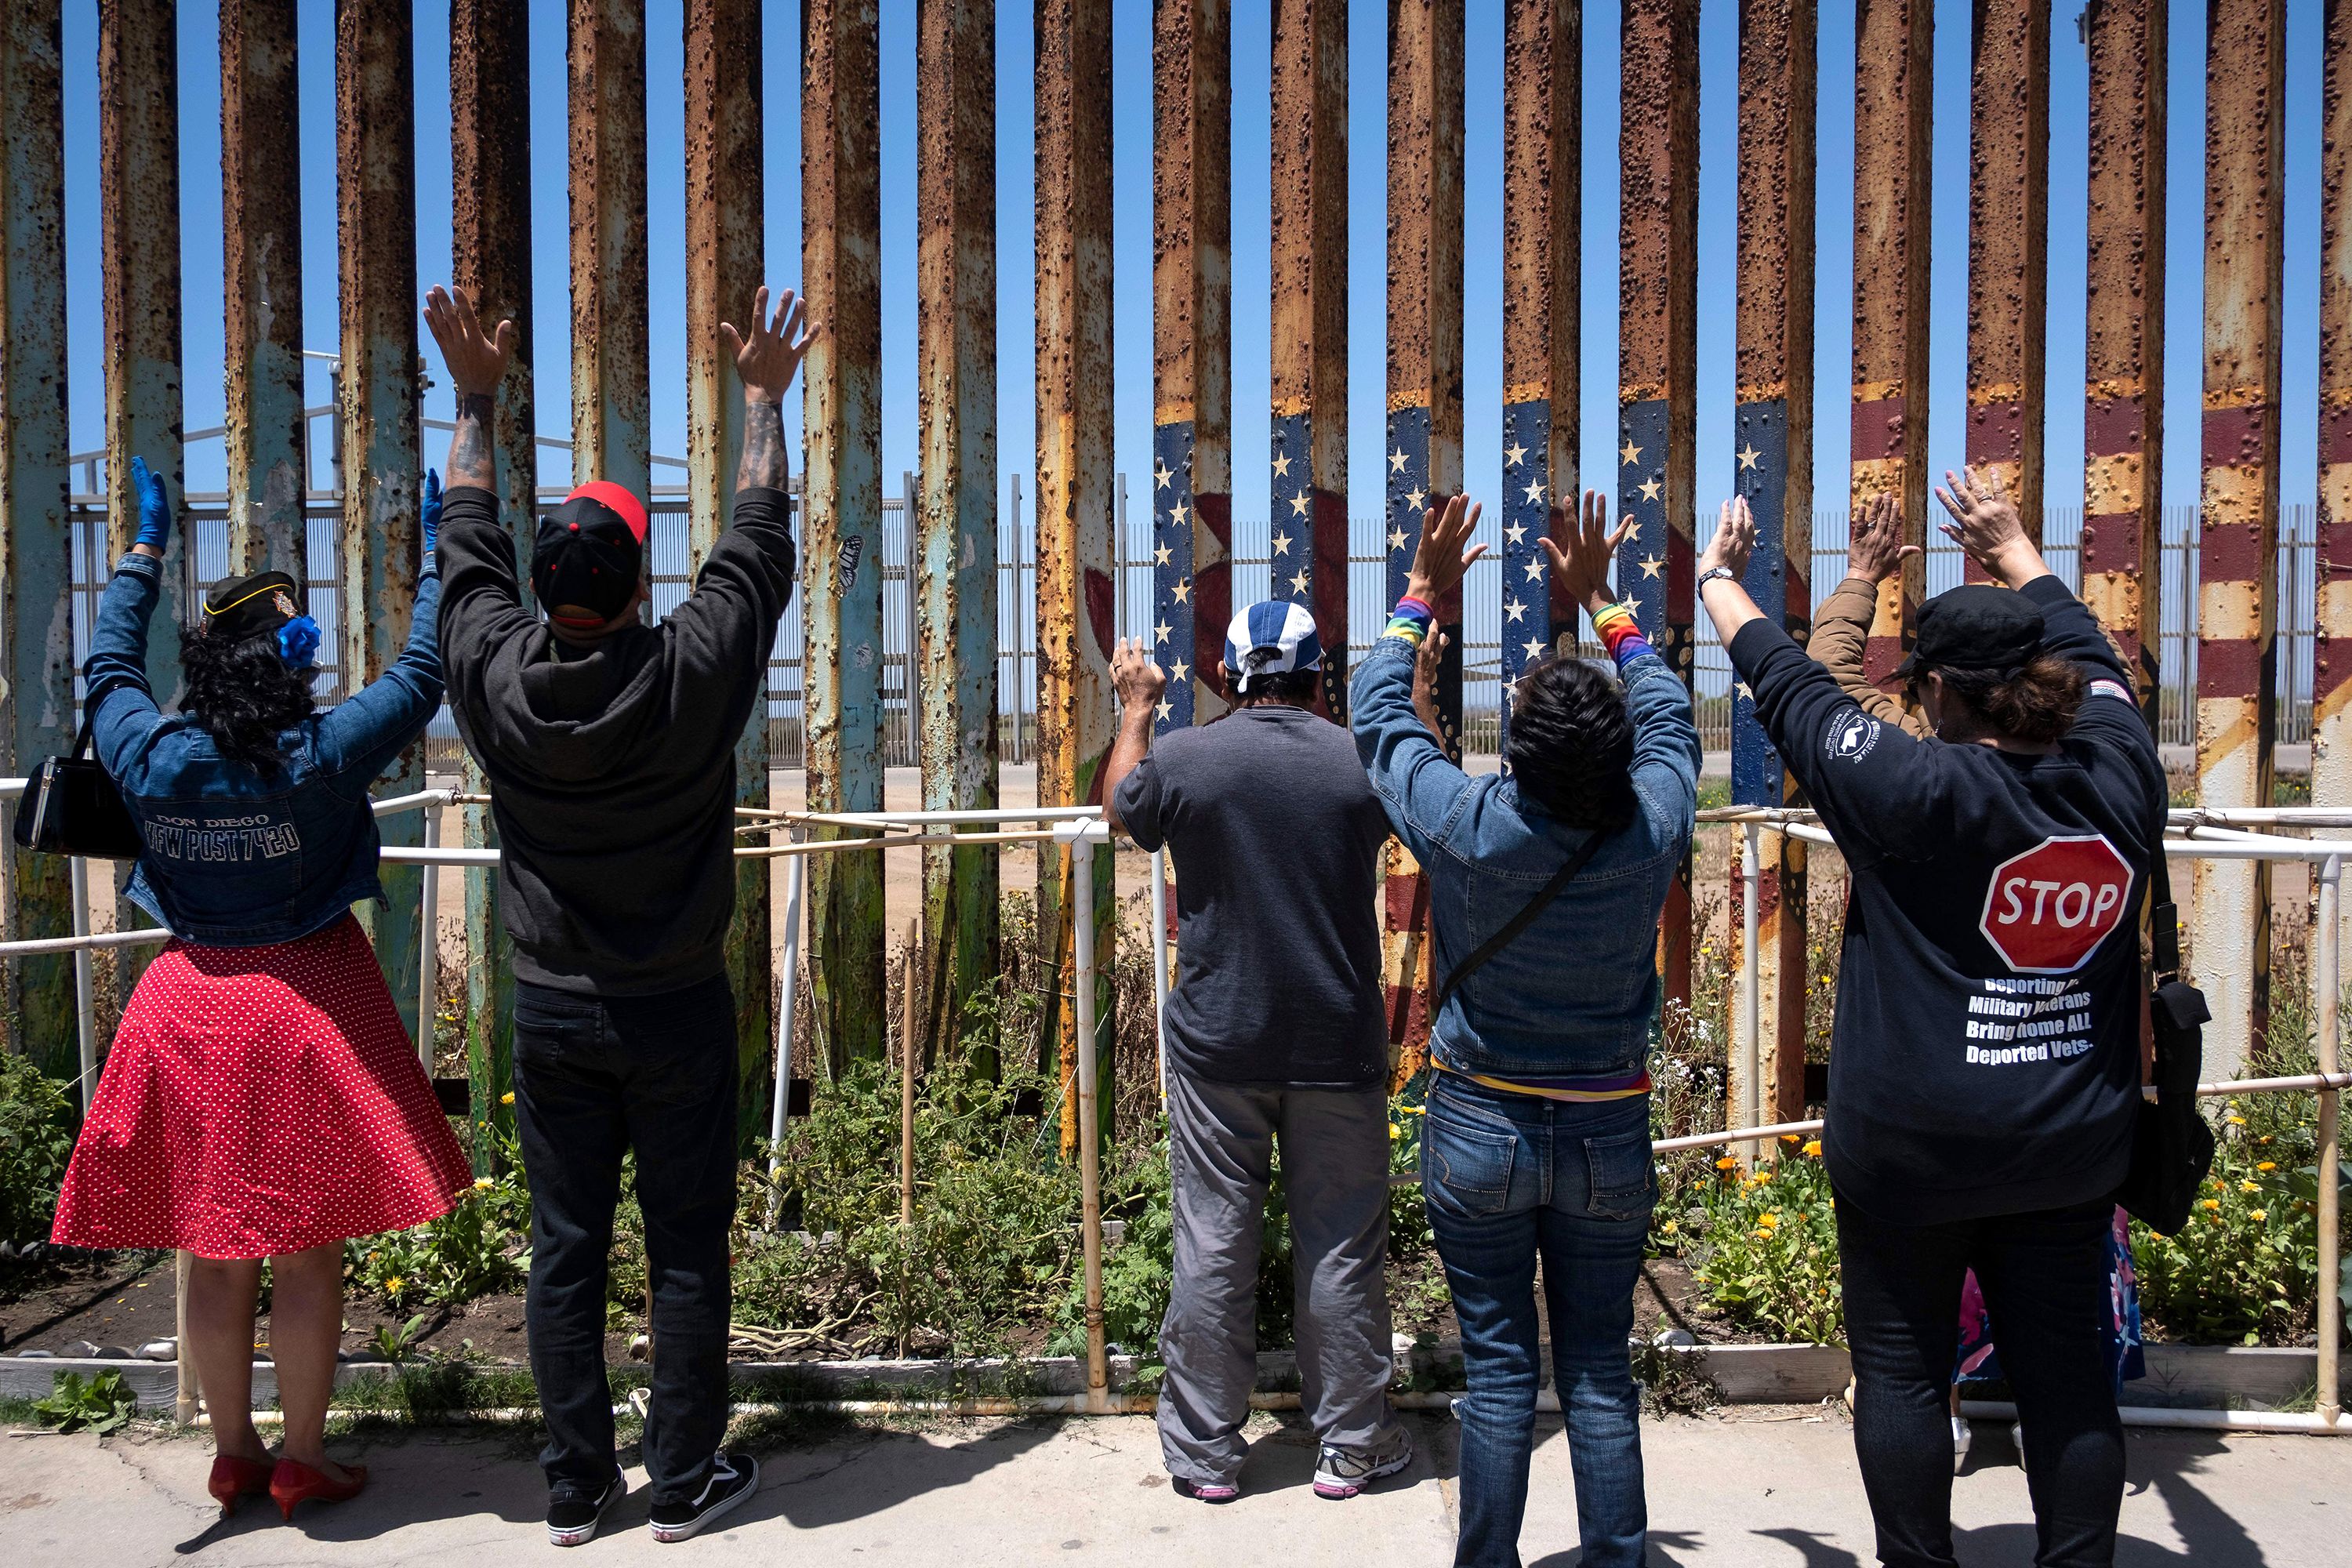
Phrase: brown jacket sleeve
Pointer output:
(1840, 627)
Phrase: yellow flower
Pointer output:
(1788, 1138)
(1670, 1227)
(2260, 1215)
(2263, 1139)
(2267, 1165)
(1726, 1163)
(392, 1286)
(1395, 1132)
(507, 1099)
(1813, 1148)
(1769, 1219)
(2250, 1186)
(2235, 1121)
(2213, 1204)
(482, 1183)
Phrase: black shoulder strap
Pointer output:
(1517, 923)
(2163, 918)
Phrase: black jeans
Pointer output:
(595, 1077)
(2044, 1276)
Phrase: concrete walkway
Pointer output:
(1767, 1488)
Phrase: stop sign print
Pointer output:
(2049, 909)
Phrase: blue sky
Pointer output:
(200, 208)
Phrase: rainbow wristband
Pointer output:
(1409, 621)
(1621, 635)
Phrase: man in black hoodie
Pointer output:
(609, 746)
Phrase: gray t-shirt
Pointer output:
(1277, 836)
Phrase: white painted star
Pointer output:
(1630, 454)
(1515, 532)
(1182, 593)
(1633, 605)
(1160, 556)
(1534, 491)
(1159, 632)
(1634, 533)
(1298, 583)
(1178, 667)
(1415, 497)
(1176, 514)
(1281, 465)
(1534, 648)
(1282, 544)
(1166, 709)
(1396, 462)
(1298, 504)
(1747, 456)
(1534, 571)
(1650, 565)
(1396, 539)
(1650, 488)
(1163, 474)
(1513, 609)
(1514, 455)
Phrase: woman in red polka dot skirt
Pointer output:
(262, 1098)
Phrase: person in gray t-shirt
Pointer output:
(1273, 1027)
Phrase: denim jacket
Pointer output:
(233, 858)
(1574, 995)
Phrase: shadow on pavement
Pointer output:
(842, 1483)
(410, 1481)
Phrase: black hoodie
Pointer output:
(1985, 1059)
(612, 770)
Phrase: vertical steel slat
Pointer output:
(491, 254)
(1772, 466)
(1542, 229)
(1423, 463)
(35, 546)
(261, 235)
(610, 408)
(953, 524)
(375, 232)
(2009, 248)
(139, 206)
(1192, 353)
(1894, 48)
(2331, 663)
(841, 223)
(1309, 199)
(2122, 414)
(1658, 358)
(1076, 501)
(725, 260)
(2237, 544)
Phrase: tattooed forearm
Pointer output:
(472, 460)
(765, 462)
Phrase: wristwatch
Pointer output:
(1711, 574)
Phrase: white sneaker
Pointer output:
(1341, 1473)
(1961, 1437)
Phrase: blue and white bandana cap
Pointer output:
(1270, 638)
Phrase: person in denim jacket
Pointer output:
(1536, 1141)
(261, 1098)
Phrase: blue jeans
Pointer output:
(1508, 1177)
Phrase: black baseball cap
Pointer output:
(1974, 627)
(590, 552)
(236, 608)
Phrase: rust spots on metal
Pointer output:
(841, 221)
(1894, 47)
(2122, 416)
(1076, 503)
(2331, 754)
(1192, 350)
(2009, 247)
(955, 525)
(1309, 322)
(261, 233)
(490, 250)
(611, 411)
(37, 658)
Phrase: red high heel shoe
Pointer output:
(293, 1483)
(233, 1477)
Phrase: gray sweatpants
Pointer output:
(1335, 1160)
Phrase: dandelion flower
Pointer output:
(1813, 1148)
(2250, 1186)
(1773, 1218)
(2213, 1204)
(392, 1286)
(2267, 1165)
(2260, 1215)
(1788, 1138)
(1395, 1132)
(1726, 1163)
(2235, 1121)
(482, 1183)
(1670, 1227)
(507, 1099)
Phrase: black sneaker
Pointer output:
(573, 1518)
(732, 1479)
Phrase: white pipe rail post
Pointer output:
(1080, 837)
(779, 1107)
(1750, 1049)
(2328, 982)
(428, 950)
(85, 1001)
(1160, 967)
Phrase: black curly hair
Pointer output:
(245, 696)
(1571, 744)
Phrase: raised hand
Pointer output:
(154, 499)
(1985, 524)
(430, 513)
(770, 355)
(1874, 550)
(1734, 541)
(1427, 660)
(1440, 560)
(476, 358)
(1135, 675)
(1583, 567)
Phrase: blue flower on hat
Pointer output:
(298, 642)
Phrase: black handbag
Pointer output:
(70, 807)
(2172, 1146)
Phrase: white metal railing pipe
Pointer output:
(428, 947)
(929, 819)
(11, 788)
(779, 1107)
(1081, 837)
(394, 804)
(1750, 1006)
(84, 986)
(85, 940)
(1160, 967)
(2329, 984)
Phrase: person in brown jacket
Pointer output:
(1875, 551)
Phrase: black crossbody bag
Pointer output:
(71, 807)
(1517, 923)
(2172, 1147)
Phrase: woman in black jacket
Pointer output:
(1985, 1066)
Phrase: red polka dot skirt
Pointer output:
(257, 1101)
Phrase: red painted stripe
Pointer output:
(2114, 428)
(2231, 553)
(2336, 435)
(2232, 437)
(1879, 429)
(2111, 542)
(1996, 432)
(2232, 669)
(1406, 903)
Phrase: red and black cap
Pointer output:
(588, 555)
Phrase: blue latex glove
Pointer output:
(154, 506)
(432, 511)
